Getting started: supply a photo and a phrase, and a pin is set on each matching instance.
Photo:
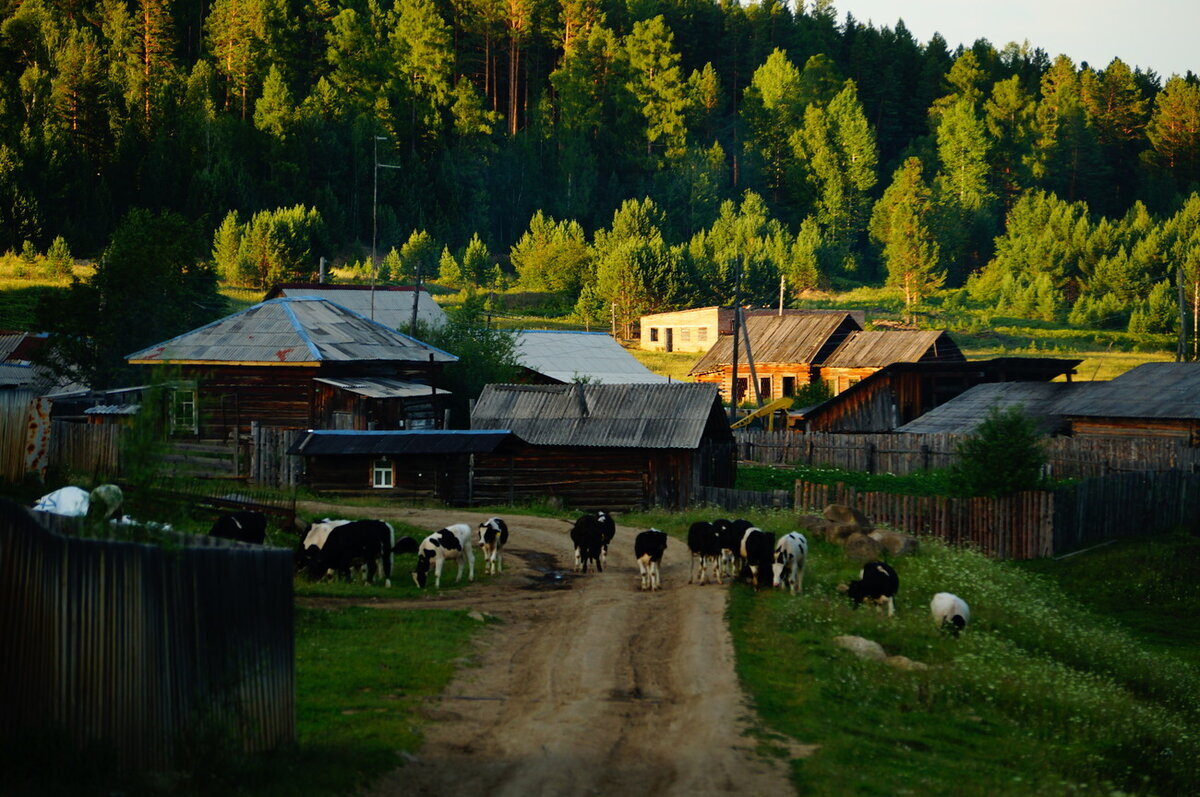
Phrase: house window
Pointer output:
(653, 334)
(701, 334)
(789, 385)
(742, 384)
(383, 475)
(764, 386)
(685, 335)
(183, 410)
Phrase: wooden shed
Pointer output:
(303, 363)
(1153, 400)
(864, 352)
(902, 392)
(604, 446)
(787, 352)
(399, 464)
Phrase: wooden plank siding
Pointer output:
(141, 650)
(802, 374)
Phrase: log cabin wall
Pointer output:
(414, 477)
(779, 379)
(1140, 428)
(230, 397)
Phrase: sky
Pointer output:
(1163, 35)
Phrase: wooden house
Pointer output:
(698, 329)
(598, 445)
(557, 357)
(786, 351)
(902, 392)
(1153, 400)
(303, 363)
(867, 351)
(401, 465)
(962, 414)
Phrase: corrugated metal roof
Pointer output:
(570, 356)
(389, 305)
(1151, 390)
(963, 413)
(624, 416)
(380, 387)
(300, 330)
(877, 348)
(395, 442)
(113, 409)
(778, 339)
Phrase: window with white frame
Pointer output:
(383, 475)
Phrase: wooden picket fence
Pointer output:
(901, 454)
(86, 448)
(727, 498)
(14, 416)
(143, 649)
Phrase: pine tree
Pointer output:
(235, 30)
(772, 110)
(1174, 132)
(901, 223)
(656, 80)
(421, 68)
(1009, 118)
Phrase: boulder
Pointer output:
(861, 647)
(847, 515)
(896, 543)
(905, 663)
(814, 526)
(862, 547)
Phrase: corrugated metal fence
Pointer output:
(143, 648)
(1069, 457)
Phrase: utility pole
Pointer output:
(375, 216)
(781, 280)
(737, 289)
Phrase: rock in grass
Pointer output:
(897, 543)
(861, 647)
(862, 547)
(847, 515)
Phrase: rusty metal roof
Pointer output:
(397, 442)
(1151, 390)
(292, 331)
(675, 415)
(782, 339)
(877, 348)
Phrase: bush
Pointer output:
(1005, 455)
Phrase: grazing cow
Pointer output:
(791, 554)
(452, 542)
(704, 541)
(877, 584)
(366, 541)
(314, 540)
(757, 550)
(405, 544)
(648, 547)
(493, 535)
(731, 533)
(243, 526)
(950, 610)
(587, 535)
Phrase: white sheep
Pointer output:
(949, 609)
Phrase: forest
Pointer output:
(625, 156)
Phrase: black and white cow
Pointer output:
(314, 540)
(950, 610)
(243, 526)
(757, 551)
(648, 547)
(877, 584)
(731, 533)
(405, 544)
(704, 541)
(493, 536)
(452, 542)
(365, 542)
(587, 535)
(791, 555)
(608, 530)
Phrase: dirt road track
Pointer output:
(587, 686)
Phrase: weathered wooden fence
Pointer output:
(744, 499)
(270, 464)
(14, 416)
(1069, 457)
(86, 448)
(1126, 505)
(141, 649)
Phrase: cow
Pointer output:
(877, 584)
(314, 540)
(493, 536)
(950, 610)
(243, 525)
(452, 542)
(704, 541)
(587, 535)
(608, 530)
(366, 541)
(648, 547)
(405, 544)
(791, 555)
(757, 551)
(731, 533)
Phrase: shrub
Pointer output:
(1003, 456)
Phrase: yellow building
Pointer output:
(697, 330)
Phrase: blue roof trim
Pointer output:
(312, 347)
(372, 321)
(403, 432)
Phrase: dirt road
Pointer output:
(587, 686)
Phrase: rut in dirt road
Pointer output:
(587, 685)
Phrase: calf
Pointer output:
(791, 554)
(757, 551)
(243, 526)
(366, 541)
(648, 547)
(587, 535)
(877, 584)
(452, 542)
(950, 610)
(704, 541)
(493, 535)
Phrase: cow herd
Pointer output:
(733, 549)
